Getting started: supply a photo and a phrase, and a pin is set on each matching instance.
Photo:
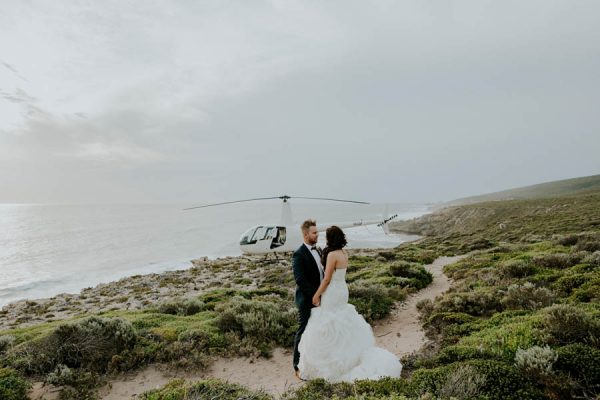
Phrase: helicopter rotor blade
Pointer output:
(231, 202)
(284, 198)
(323, 198)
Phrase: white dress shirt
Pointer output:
(317, 258)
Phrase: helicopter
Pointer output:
(285, 236)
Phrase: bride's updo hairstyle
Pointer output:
(336, 240)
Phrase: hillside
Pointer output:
(509, 220)
(563, 187)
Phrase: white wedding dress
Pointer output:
(338, 344)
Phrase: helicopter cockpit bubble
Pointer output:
(257, 233)
(247, 236)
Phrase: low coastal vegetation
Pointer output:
(521, 320)
(249, 318)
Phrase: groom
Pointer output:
(308, 272)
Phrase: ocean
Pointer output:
(50, 249)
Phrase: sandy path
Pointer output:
(399, 333)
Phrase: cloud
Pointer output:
(405, 100)
(121, 153)
(13, 70)
(19, 97)
(43, 135)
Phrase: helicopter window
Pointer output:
(259, 234)
(248, 235)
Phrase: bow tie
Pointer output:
(314, 248)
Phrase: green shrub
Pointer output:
(178, 389)
(12, 386)
(565, 324)
(463, 382)
(212, 298)
(372, 301)
(382, 387)
(184, 355)
(516, 268)
(451, 354)
(412, 253)
(90, 344)
(6, 342)
(391, 281)
(558, 261)
(215, 389)
(319, 389)
(567, 283)
(418, 275)
(504, 382)
(503, 334)
(261, 322)
(80, 381)
(387, 255)
(588, 243)
(568, 240)
(592, 259)
(536, 361)
(582, 362)
(476, 244)
(489, 379)
(181, 307)
(174, 390)
(481, 301)
(527, 296)
(62, 375)
(439, 322)
(589, 291)
(429, 380)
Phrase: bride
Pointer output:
(338, 344)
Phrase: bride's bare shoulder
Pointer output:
(341, 256)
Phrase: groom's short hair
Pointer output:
(307, 224)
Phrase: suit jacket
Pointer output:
(307, 276)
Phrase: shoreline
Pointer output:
(148, 269)
(142, 291)
(154, 268)
(59, 260)
(133, 292)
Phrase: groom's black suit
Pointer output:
(308, 279)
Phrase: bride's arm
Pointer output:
(329, 268)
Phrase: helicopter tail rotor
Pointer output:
(384, 224)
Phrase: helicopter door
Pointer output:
(279, 239)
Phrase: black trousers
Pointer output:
(303, 315)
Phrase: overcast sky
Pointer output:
(202, 101)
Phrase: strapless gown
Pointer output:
(338, 344)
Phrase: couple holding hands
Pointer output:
(333, 341)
